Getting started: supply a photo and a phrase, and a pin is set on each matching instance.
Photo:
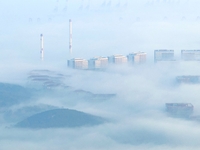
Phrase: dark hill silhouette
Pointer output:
(15, 115)
(11, 94)
(60, 118)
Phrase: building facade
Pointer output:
(78, 63)
(139, 57)
(190, 55)
(163, 55)
(118, 59)
(98, 62)
(190, 79)
(180, 109)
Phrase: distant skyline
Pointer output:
(101, 27)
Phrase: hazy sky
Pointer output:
(100, 27)
(103, 28)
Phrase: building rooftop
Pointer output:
(100, 57)
(118, 55)
(164, 50)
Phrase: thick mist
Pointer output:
(136, 114)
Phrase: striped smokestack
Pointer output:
(70, 37)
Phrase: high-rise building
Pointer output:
(190, 55)
(139, 57)
(118, 59)
(163, 55)
(78, 63)
(98, 62)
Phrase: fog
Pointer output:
(136, 115)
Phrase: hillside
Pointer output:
(11, 94)
(60, 118)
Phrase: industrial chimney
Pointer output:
(42, 47)
(70, 37)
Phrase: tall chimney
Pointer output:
(70, 37)
(42, 47)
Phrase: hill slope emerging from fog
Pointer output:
(11, 94)
(60, 118)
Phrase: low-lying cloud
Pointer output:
(137, 117)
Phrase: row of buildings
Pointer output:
(168, 55)
(102, 62)
(134, 58)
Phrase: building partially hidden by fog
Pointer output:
(98, 63)
(118, 59)
(163, 55)
(78, 63)
(190, 55)
(180, 109)
(139, 57)
(188, 79)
